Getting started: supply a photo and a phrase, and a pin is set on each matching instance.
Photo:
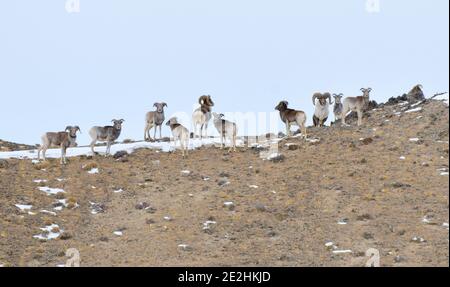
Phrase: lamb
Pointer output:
(154, 119)
(337, 109)
(180, 133)
(106, 134)
(202, 115)
(63, 139)
(357, 104)
(226, 129)
(290, 116)
(322, 108)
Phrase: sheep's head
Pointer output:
(416, 89)
(73, 131)
(322, 98)
(217, 116)
(172, 121)
(282, 106)
(160, 107)
(338, 98)
(117, 124)
(366, 92)
(206, 100)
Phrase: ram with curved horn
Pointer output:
(322, 104)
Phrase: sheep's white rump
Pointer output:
(131, 147)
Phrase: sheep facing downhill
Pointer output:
(290, 116)
(226, 130)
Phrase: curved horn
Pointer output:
(164, 105)
(68, 128)
(328, 95)
(363, 90)
(78, 128)
(316, 95)
(155, 105)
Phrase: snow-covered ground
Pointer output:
(443, 98)
(129, 147)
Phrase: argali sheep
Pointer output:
(290, 116)
(337, 108)
(154, 119)
(226, 130)
(322, 108)
(106, 134)
(416, 94)
(356, 104)
(180, 133)
(65, 139)
(202, 115)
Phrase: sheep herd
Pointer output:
(200, 119)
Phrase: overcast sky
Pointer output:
(114, 58)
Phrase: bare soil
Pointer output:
(284, 212)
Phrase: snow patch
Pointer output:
(50, 191)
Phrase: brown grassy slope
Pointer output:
(285, 221)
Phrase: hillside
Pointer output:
(324, 202)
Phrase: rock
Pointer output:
(367, 141)
(65, 236)
(229, 205)
(120, 154)
(277, 158)
(185, 247)
(104, 239)
(399, 185)
(399, 259)
(142, 205)
(271, 233)
(223, 182)
(4, 163)
(292, 146)
(149, 221)
(364, 217)
(260, 207)
(367, 235)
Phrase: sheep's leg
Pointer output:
(44, 150)
(108, 148)
(206, 130)
(344, 112)
(221, 141)
(147, 132)
(63, 155)
(201, 131)
(359, 117)
(160, 134)
(92, 146)
(288, 129)
(39, 152)
(303, 129)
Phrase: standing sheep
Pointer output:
(202, 115)
(65, 139)
(106, 134)
(154, 119)
(226, 129)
